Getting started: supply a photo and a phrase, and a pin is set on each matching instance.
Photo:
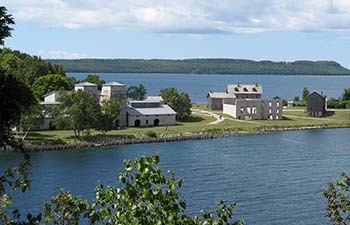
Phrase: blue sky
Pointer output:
(282, 30)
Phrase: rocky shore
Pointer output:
(165, 138)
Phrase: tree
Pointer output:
(296, 99)
(338, 196)
(181, 103)
(5, 21)
(108, 116)
(346, 94)
(136, 92)
(80, 110)
(146, 197)
(93, 78)
(13, 179)
(30, 117)
(50, 82)
(15, 98)
(26, 68)
(305, 93)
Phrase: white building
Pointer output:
(243, 101)
(88, 87)
(116, 90)
(150, 113)
(45, 123)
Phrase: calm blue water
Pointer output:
(198, 85)
(275, 178)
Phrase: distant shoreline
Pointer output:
(167, 138)
(202, 66)
(223, 74)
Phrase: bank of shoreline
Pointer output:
(166, 138)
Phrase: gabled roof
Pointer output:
(244, 88)
(50, 93)
(221, 95)
(315, 92)
(161, 110)
(113, 83)
(85, 84)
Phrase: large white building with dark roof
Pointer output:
(150, 113)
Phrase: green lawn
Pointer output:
(293, 117)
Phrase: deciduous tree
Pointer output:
(93, 78)
(80, 110)
(181, 103)
(15, 98)
(48, 83)
(108, 116)
(137, 92)
(305, 93)
(338, 197)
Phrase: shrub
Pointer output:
(151, 134)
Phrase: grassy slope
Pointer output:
(293, 117)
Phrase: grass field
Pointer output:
(292, 117)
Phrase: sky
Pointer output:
(278, 30)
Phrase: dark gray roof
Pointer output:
(316, 92)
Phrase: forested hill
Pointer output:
(202, 66)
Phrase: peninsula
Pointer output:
(202, 66)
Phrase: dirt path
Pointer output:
(219, 118)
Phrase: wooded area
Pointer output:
(202, 66)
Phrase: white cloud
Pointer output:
(187, 16)
(58, 54)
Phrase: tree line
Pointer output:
(202, 66)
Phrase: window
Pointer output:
(245, 89)
(249, 110)
(270, 111)
(242, 109)
(277, 104)
(146, 121)
(277, 117)
(254, 110)
(236, 89)
(254, 90)
(270, 117)
(270, 104)
(278, 111)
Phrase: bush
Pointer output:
(151, 134)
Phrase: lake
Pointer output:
(275, 178)
(198, 85)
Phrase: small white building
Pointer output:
(150, 113)
(45, 123)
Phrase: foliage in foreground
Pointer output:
(146, 196)
(338, 196)
(12, 105)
